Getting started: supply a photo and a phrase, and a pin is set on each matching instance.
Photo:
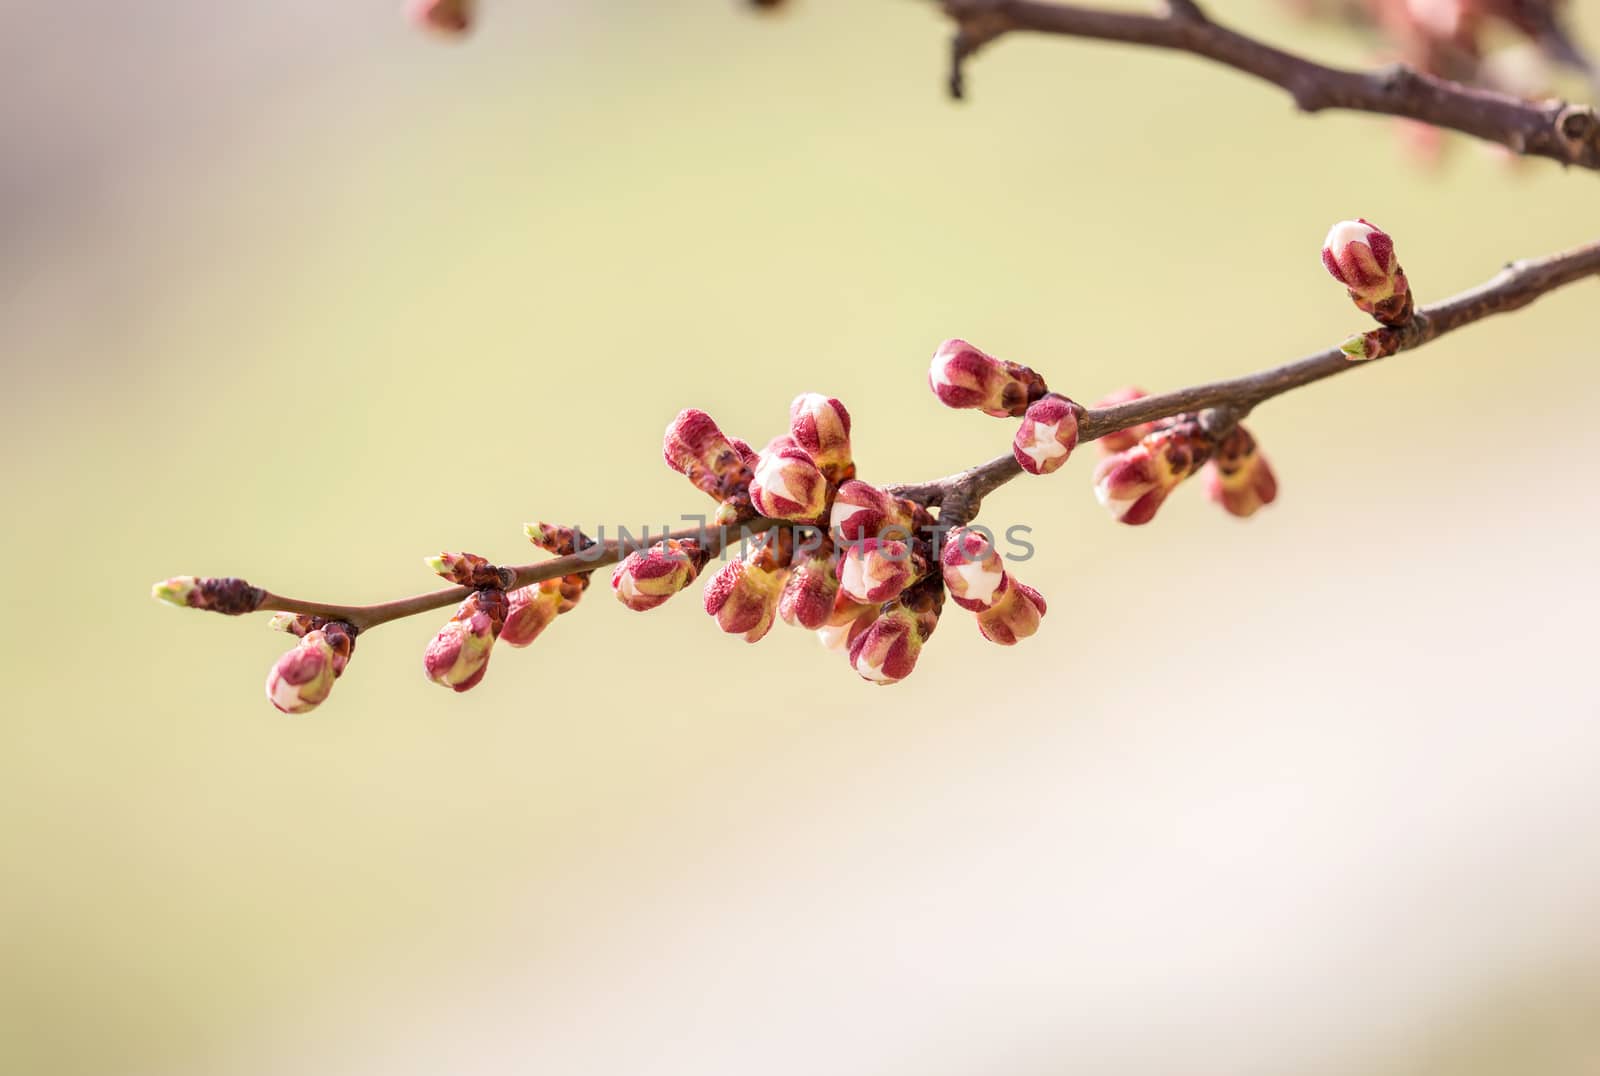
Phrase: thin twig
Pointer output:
(1569, 133)
(959, 496)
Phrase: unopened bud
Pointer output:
(1047, 436)
(469, 570)
(821, 425)
(458, 656)
(887, 651)
(973, 570)
(787, 484)
(963, 376)
(808, 597)
(1014, 617)
(647, 578)
(303, 677)
(1239, 477)
(877, 569)
(449, 17)
(1362, 258)
(743, 597)
(554, 538)
(1133, 484)
(845, 623)
(228, 596)
(529, 610)
(864, 511)
(696, 447)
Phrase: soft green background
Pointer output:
(289, 292)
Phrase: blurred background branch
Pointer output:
(1568, 133)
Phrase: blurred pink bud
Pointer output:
(695, 447)
(469, 570)
(303, 677)
(458, 656)
(1120, 440)
(1014, 617)
(451, 17)
(787, 484)
(1047, 436)
(963, 376)
(845, 623)
(973, 570)
(1134, 483)
(743, 597)
(1362, 258)
(876, 570)
(821, 425)
(647, 578)
(529, 610)
(864, 511)
(808, 597)
(1239, 477)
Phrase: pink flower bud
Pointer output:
(303, 677)
(809, 595)
(469, 570)
(647, 578)
(1047, 436)
(1362, 258)
(787, 484)
(962, 376)
(553, 538)
(1014, 617)
(1121, 440)
(973, 570)
(1133, 484)
(743, 597)
(695, 447)
(230, 597)
(887, 651)
(458, 656)
(1238, 477)
(529, 610)
(877, 569)
(450, 17)
(864, 511)
(845, 623)
(821, 426)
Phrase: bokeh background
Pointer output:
(289, 291)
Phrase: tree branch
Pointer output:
(959, 496)
(1569, 133)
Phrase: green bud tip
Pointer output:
(174, 591)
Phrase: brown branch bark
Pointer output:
(959, 496)
(1569, 133)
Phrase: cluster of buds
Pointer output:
(497, 610)
(1134, 480)
(303, 677)
(1361, 257)
(858, 564)
(1007, 609)
(963, 376)
(853, 565)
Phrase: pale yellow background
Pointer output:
(290, 292)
